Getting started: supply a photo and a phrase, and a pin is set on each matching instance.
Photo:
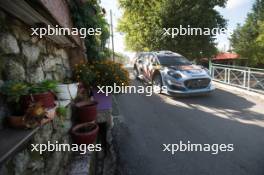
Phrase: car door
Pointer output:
(146, 67)
(153, 65)
(139, 64)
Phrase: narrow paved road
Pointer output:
(145, 123)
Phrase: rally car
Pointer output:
(173, 71)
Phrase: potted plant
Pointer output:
(35, 115)
(84, 133)
(86, 108)
(108, 73)
(12, 91)
(16, 93)
(67, 90)
(41, 92)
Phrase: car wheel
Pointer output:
(157, 83)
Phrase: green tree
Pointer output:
(91, 15)
(248, 40)
(143, 22)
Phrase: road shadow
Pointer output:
(224, 102)
(218, 99)
(152, 121)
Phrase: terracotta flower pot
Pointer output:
(84, 133)
(16, 122)
(86, 112)
(47, 99)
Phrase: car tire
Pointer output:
(157, 83)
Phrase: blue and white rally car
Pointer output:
(174, 72)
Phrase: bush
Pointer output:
(102, 73)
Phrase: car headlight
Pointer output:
(174, 74)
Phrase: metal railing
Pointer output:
(244, 77)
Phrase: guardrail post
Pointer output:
(249, 77)
(244, 79)
(225, 80)
(228, 76)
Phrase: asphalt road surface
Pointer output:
(145, 123)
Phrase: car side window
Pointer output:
(146, 59)
(140, 59)
(153, 60)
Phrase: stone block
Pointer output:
(15, 71)
(21, 161)
(59, 74)
(44, 134)
(61, 53)
(53, 163)
(19, 30)
(8, 44)
(41, 45)
(35, 75)
(50, 63)
(31, 53)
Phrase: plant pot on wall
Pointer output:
(47, 99)
(86, 111)
(104, 102)
(85, 133)
(67, 91)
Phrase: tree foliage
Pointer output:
(89, 15)
(248, 39)
(143, 22)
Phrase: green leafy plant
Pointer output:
(90, 15)
(44, 86)
(14, 90)
(85, 74)
(143, 22)
(247, 39)
(61, 112)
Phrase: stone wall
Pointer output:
(26, 58)
(28, 162)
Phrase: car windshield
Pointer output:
(173, 60)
